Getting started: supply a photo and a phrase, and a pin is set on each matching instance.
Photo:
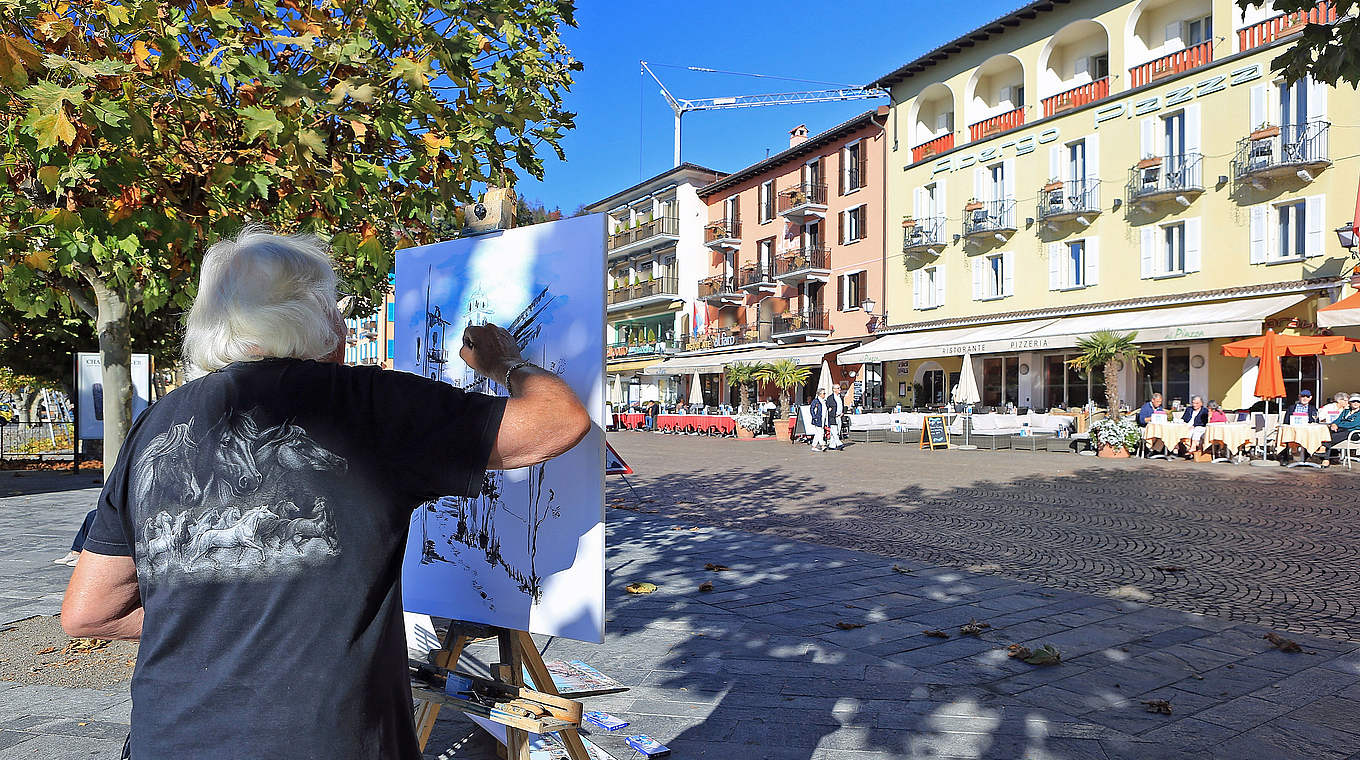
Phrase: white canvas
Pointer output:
(529, 553)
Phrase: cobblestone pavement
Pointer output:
(1278, 547)
(811, 652)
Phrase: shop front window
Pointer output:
(932, 388)
(1001, 381)
(873, 387)
(1301, 372)
(1167, 373)
(1066, 386)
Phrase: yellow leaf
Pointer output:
(435, 143)
(49, 176)
(640, 588)
(140, 54)
(17, 58)
(40, 260)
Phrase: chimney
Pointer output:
(798, 135)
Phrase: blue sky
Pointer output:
(850, 41)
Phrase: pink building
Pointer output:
(796, 246)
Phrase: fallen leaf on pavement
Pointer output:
(935, 633)
(716, 568)
(84, 645)
(705, 587)
(640, 588)
(901, 570)
(1283, 644)
(1044, 655)
(1157, 706)
(48, 650)
(844, 626)
(973, 628)
(1018, 652)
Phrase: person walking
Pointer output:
(835, 408)
(69, 559)
(252, 532)
(817, 412)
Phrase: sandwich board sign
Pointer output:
(527, 554)
(934, 432)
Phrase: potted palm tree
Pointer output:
(1103, 351)
(742, 374)
(784, 374)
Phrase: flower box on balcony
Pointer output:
(908, 223)
(1265, 133)
(797, 198)
(1053, 185)
(1148, 163)
(972, 206)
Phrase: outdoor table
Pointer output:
(710, 424)
(1310, 437)
(1232, 435)
(1169, 433)
(629, 421)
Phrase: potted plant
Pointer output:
(748, 425)
(784, 374)
(1115, 437)
(908, 222)
(1264, 132)
(1053, 184)
(797, 197)
(1104, 350)
(972, 205)
(1149, 162)
(742, 374)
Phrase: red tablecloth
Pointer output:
(713, 424)
(629, 421)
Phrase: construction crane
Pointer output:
(682, 106)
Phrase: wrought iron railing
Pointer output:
(1291, 144)
(801, 321)
(1071, 197)
(802, 259)
(666, 225)
(802, 194)
(1166, 174)
(989, 216)
(653, 287)
(712, 287)
(923, 233)
(722, 229)
(757, 275)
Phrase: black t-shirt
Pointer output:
(267, 506)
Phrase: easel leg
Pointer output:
(428, 712)
(538, 673)
(636, 498)
(511, 671)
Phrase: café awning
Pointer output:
(1201, 321)
(806, 354)
(1343, 313)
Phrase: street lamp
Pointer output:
(869, 304)
(1346, 235)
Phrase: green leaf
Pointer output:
(354, 88)
(223, 15)
(260, 121)
(110, 112)
(48, 96)
(49, 176)
(312, 142)
(416, 73)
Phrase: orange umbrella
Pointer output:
(1270, 347)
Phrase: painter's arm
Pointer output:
(543, 418)
(102, 600)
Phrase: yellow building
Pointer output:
(1124, 165)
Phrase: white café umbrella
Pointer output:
(824, 382)
(967, 392)
(696, 391)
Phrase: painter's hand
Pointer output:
(489, 350)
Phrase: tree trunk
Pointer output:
(28, 404)
(112, 324)
(744, 397)
(1111, 389)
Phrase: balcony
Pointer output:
(653, 348)
(923, 237)
(724, 233)
(756, 278)
(1162, 178)
(989, 218)
(1074, 200)
(932, 148)
(803, 203)
(808, 323)
(1076, 97)
(995, 125)
(723, 337)
(654, 291)
(720, 290)
(809, 263)
(1294, 150)
(1172, 64)
(1283, 25)
(645, 235)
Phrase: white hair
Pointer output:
(262, 295)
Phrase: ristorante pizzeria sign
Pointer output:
(1125, 108)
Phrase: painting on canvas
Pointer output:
(528, 553)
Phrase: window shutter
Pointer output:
(1192, 142)
(1258, 224)
(840, 293)
(840, 219)
(1173, 36)
(918, 195)
(1092, 261)
(1055, 269)
(940, 208)
(978, 293)
(1092, 158)
(1317, 100)
(845, 168)
(1147, 137)
(1314, 239)
(1258, 107)
(939, 284)
(916, 279)
(1081, 66)
(1055, 162)
(1149, 251)
(1192, 245)
(1008, 167)
(979, 183)
(1008, 273)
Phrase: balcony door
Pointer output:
(812, 174)
(997, 184)
(730, 211)
(812, 237)
(1076, 166)
(1293, 117)
(764, 254)
(1173, 138)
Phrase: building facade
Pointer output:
(656, 257)
(372, 339)
(1132, 166)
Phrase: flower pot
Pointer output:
(1148, 163)
(1050, 187)
(1265, 133)
(782, 431)
(744, 434)
(1112, 452)
(908, 223)
(973, 206)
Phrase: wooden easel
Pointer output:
(517, 653)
